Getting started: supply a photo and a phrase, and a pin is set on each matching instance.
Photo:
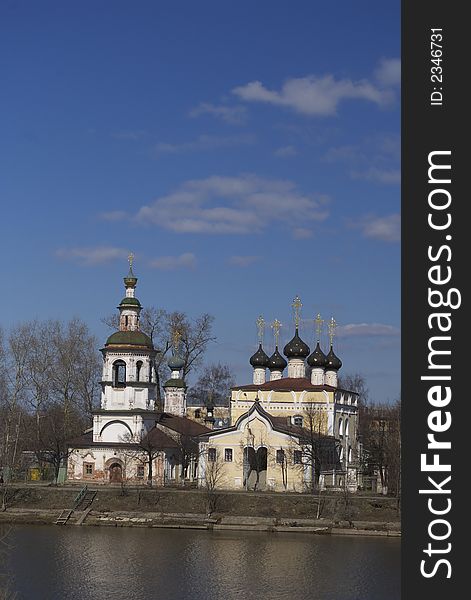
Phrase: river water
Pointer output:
(91, 563)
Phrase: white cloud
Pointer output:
(386, 229)
(389, 72)
(314, 96)
(301, 233)
(205, 142)
(92, 255)
(285, 151)
(235, 115)
(233, 205)
(243, 261)
(367, 330)
(167, 263)
(386, 176)
(114, 215)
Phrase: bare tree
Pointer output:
(213, 386)
(380, 432)
(213, 476)
(160, 326)
(148, 447)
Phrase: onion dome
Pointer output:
(130, 281)
(296, 348)
(175, 383)
(176, 363)
(317, 359)
(276, 362)
(259, 360)
(130, 338)
(333, 362)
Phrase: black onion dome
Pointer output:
(259, 359)
(276, 362)
(317, 358)
(296, 348)
(333, 362)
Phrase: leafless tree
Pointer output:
(213, 477)
(213, 386)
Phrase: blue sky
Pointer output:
(244, 151)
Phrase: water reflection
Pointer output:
(85, 563)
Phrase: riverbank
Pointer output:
(187, 509)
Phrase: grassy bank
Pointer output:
(188, 508)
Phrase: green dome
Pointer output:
(130, 302)
(130, 338)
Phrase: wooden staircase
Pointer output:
(82, 503)
(64, 516)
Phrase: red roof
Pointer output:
(287, 384)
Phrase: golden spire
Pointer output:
(131, 259)
(332, 327)
(260, 328)
(176, 335)
(297, 305)
(319, 322)
(276, 326)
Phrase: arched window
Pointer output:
(350, 455)
(298, 421)
(340, 427)
(138, 370)
(347, 423)
(119, 374)
(198, 413)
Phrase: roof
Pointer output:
(128, 301)
(156, 438)
(129, 338)
(286, 384)
(176, 383)
(182, 425)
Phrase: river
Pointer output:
(91, 563)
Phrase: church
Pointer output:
(292, 432)
(296, 432)
(134, 439)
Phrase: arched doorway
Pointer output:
(255, 468)
(116, 473)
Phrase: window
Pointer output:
(198, 413)
(280, 457)
(88, 469)
(140, 471)
(340, 427)
(228, 454)
(350, 455)
(212, 454)
(297, 457)
(119, 374)
(138, 370)
(298, 421)
(346, 426)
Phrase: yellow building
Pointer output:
(293, 432)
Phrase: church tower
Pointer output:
(317, 360)
(128, 380)
(175, 387)
(333, 362)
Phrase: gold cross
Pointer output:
(276, 326)
(130, 259)
(260, 326)
(319, 323)
(176, 335)
(297, 305)
(332, 327)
